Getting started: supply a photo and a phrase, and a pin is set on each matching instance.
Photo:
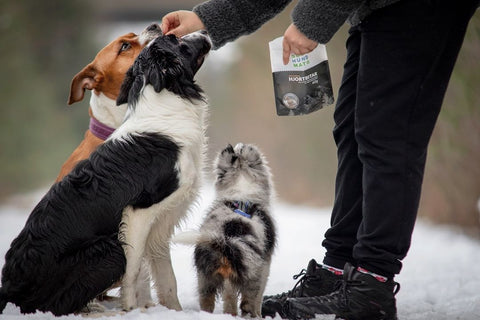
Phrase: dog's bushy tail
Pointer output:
(3, 300)
(192, 237)
(219, 257)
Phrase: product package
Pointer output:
(303, 85)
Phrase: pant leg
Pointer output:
(408, 51)
(347, 209)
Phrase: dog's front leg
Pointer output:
(158, 253)
(134, 232)
(143, 289)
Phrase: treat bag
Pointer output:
(303, 85)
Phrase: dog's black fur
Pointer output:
(175, 71)
(207, 256)
(69, 251)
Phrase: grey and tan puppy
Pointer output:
(235, 242)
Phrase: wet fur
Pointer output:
(162, 98)
(143, 177)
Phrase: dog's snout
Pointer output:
(149, 33)
(203, 32)
(153, 27)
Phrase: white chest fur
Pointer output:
(106, 111)
(165, 113)
(184, 123)
(179, 119)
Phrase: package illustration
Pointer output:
(304, 84)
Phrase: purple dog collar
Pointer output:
(100, 130)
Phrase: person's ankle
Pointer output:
(335, 271)
(377, 276)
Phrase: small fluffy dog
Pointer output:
(235, 242)
(143, 177)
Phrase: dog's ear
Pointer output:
(229, 148)
(131, 86)
(159, 73)
(85, 79)
(156, 77)
(227, 158)
(126, 86)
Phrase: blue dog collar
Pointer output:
(241, 208)
(240, 212)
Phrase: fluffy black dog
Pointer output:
(69, 250)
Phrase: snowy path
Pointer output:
(440, 279)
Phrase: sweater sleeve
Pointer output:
(319, 20)
(226, 20)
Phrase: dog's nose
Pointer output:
(153, 27)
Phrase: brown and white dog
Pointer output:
(104, 76)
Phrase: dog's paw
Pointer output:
(227, 158)
(93, 307)
(148, 304)
(128, 308)
(128, 304)
(103, 314)
(141, 306)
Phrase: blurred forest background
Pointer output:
(45, 43)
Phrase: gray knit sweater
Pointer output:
(319, 20)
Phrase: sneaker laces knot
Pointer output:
(299, 284)
(302, 277)
(302, 272)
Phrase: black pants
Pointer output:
(399, 62)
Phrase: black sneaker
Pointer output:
(360, 297)
(312, 282)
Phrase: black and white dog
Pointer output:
(167, 109)
(143, 178)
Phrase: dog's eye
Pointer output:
(125, 46)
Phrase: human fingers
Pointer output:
(297, 41)
(170, 21)
(181, 23)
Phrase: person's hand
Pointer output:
(181, 22)
(294, 41)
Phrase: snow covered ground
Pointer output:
(440, 279)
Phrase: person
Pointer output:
(400, 56)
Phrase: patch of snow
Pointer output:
(440, 279)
